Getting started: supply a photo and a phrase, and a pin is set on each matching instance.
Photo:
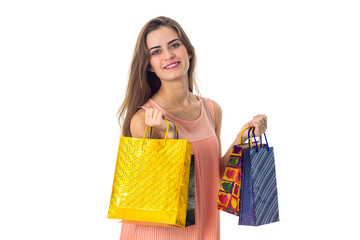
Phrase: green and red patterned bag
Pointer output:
(229, 194)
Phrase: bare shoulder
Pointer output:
(218, 120)
(218, 117)
(217, 110)
(137, 124)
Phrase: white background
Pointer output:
(64, 68)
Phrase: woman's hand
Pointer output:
(259, 122)
(155, 118)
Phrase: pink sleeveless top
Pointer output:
(205, 147)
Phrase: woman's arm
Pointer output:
(218, 120)
(259, 122)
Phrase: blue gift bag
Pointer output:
(258, 196)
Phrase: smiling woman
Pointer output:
(143, 80)
(169, 59)
(161, 86)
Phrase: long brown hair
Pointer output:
(142, 83)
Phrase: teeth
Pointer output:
(172, 65)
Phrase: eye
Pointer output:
(175, 45)
(155, 52)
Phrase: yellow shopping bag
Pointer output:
(151, 181)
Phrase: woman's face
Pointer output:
(169, 58)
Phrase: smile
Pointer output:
(172, 65)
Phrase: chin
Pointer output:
(172, 77)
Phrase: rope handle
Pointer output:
(176, 135)
(251, 134)
(242, 131)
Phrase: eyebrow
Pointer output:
(168, 44)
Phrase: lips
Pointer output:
(172, 65)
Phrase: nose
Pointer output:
(169, 54)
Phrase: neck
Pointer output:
(175, 92)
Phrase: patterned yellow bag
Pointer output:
(151, 181)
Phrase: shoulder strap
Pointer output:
(209, 110)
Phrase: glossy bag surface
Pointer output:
(151, 181)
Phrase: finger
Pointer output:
(154, 113)
(258, 130)
(253, 124)
(258, 127)
(148, 113)
(258, 115)
(159, 116)
(148, 116)
(262, 121)
(265, 121)
(156, 119)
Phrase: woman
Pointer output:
(161, 82)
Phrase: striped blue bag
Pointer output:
(258, 195)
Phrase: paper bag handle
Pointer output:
(176, 136)
(251, 133)
(242, 131)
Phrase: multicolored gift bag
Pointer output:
(229, 193)
(228, 198)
